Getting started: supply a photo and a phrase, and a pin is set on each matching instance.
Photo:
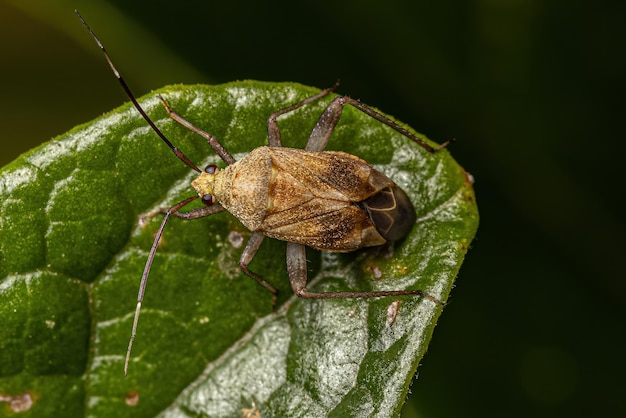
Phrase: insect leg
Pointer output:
(273, 131)
(246, 257)
(328, 121)
(296, 268)
(248, 253)
(201, 212)
(197, 213)
(325, 126)
(213, 142)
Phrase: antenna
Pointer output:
(181, 156)
(171, 211)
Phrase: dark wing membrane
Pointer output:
(391, 211)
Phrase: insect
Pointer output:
(326, 200)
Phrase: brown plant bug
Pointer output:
(326, 200)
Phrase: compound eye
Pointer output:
(207, 199)
(210, 169)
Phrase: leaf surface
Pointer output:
(209, 343)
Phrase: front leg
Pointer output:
(197, 213)
(213, 142)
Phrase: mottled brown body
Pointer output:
(307, 197)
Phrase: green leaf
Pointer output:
(72, 252)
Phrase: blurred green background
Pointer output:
(532, 90)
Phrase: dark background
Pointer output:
(533, 91)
